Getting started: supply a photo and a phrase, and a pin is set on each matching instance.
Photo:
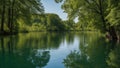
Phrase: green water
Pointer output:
(58, 50)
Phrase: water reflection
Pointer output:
(39, 58)
(94, 52)
(58, 50)
(41, 40)
(113, 59)
(28, 50)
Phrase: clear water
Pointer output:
(58, 50)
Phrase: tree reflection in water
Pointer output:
(98, 54)
(39, 58)
(32, 50)
(113, 59)
(76, 60)
(14, 53)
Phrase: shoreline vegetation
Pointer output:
(105, 35)
(14, 33)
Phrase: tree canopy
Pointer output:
(12, 10)
(104, 14)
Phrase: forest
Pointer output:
(28, 16)
(32, 38)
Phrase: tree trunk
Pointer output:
(102, 15)
(9, 15)
(12, 16)
(112, 33)
(3, 16)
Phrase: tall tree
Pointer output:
(95, 10)
(15, 9)
(3, 14)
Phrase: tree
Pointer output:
(3, 15)
(96, 11)
(114, 16)
(69, 24)
(54, 22)
(15, 9)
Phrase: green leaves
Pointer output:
(99, 12)
(13, 10)
(58, 1)
(114, 16)
(54, 22)
(71, 7)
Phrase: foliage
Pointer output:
(100, 14)
(50, 22)
(114, 16)
(69, 24)
(13, 10)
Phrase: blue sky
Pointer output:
(51, 7)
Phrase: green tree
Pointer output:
(94, 11)
(54, 22)
(12, 10)
(114, 16)
(3, 2)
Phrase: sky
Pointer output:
(51, 7)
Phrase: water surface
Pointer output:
(58, 50)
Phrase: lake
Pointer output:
(58, 50)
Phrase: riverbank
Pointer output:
(8, 33)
